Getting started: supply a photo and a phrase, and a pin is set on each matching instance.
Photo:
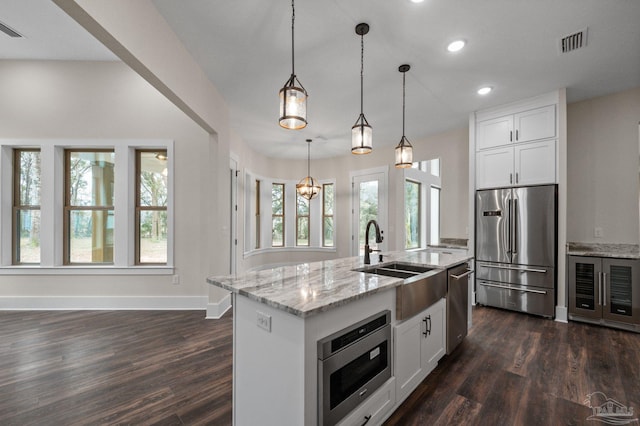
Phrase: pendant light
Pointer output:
(293, 96)
(308, 187)
(404, 150)
(361, 132)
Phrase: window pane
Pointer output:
(277, 233)
(302, 205)
(277, 199)
(368, 207)
(328, 199)
(91, 236)
(28, 228)
(153, 236)
(91, 175)
(435, 216)
(153, 178)
(435, 167)
(328, 232)
(29, 175)
(303, 231)
(412, 214)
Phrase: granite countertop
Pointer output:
(622, 251)
(310, 288)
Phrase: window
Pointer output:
(151, 207)
(435, 216)
(302, 220)
(277, 215)
(412, 214)
(257, 216)
(26, 206)
(88, 218)
(327, 215)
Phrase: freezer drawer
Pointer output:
(537, 276)
(532, 300)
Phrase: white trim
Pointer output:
(217, 310)
(86, 270)
(53, 303)
(561, 314)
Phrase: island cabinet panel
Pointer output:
(375, 409)
(419, 345)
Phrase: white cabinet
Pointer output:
(530, 163)
(374, 410)
(419, 345)
(525, 126)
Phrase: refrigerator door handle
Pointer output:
(514, 268)
(510, 217)
(515, 226)
(506, 287)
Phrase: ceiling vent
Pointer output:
(573, 41)
(9, 31)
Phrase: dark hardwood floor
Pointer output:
(174, 368)
(103, 367)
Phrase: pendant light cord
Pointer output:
(309, 158)
(361, 73)
(293, 18)
(403, 80)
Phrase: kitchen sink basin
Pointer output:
(395, 269)
(421, 288)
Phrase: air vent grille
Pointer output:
(9, 31)
(573, 41)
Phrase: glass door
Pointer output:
(369, 201)
(620, 295)
(585, 289)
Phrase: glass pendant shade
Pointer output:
(308, 187)
(404, 154)
(361, 137)
(293, 105)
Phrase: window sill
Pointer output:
(289, 249)
(86, 270)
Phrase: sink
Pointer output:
(395, 269)
(422, 286)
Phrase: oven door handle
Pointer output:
(526, 290)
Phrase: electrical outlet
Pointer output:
(264, 321)
(597, 232)
(175, 280)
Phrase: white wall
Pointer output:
(451, 147)
(602, 168)
(59, 99)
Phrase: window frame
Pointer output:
(52, 207)
(139, 209)
(325, 215)
(17, 206)
(419, 213)
(298, 217)
(283, 215)
(68, 208)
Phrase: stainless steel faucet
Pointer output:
(379, 238)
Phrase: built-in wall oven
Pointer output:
(352, 364)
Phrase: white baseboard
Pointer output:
(71, 303)
(216, 310)
(562, 314)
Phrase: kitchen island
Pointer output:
(281, 314)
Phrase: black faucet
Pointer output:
(379, 238)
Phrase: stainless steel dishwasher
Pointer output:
(457, 304)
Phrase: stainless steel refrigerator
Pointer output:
(516, 240)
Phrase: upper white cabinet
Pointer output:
(525, 126)
(516, 144)
(531, 163)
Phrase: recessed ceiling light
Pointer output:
(484, 90)
(455, 46)
(417, 1)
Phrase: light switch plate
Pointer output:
(264, 321)
(597, 232)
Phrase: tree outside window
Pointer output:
(151, 206)
(412, 214)
(277, 215)
(327, 215)
(26, 206)
(302, 220)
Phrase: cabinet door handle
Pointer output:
(516, 135)
(427, 325)
(510, 177)
(516, 177)
(510, 135)
(457, 277)
(366, 419)
(604, 289)
(599, 288)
